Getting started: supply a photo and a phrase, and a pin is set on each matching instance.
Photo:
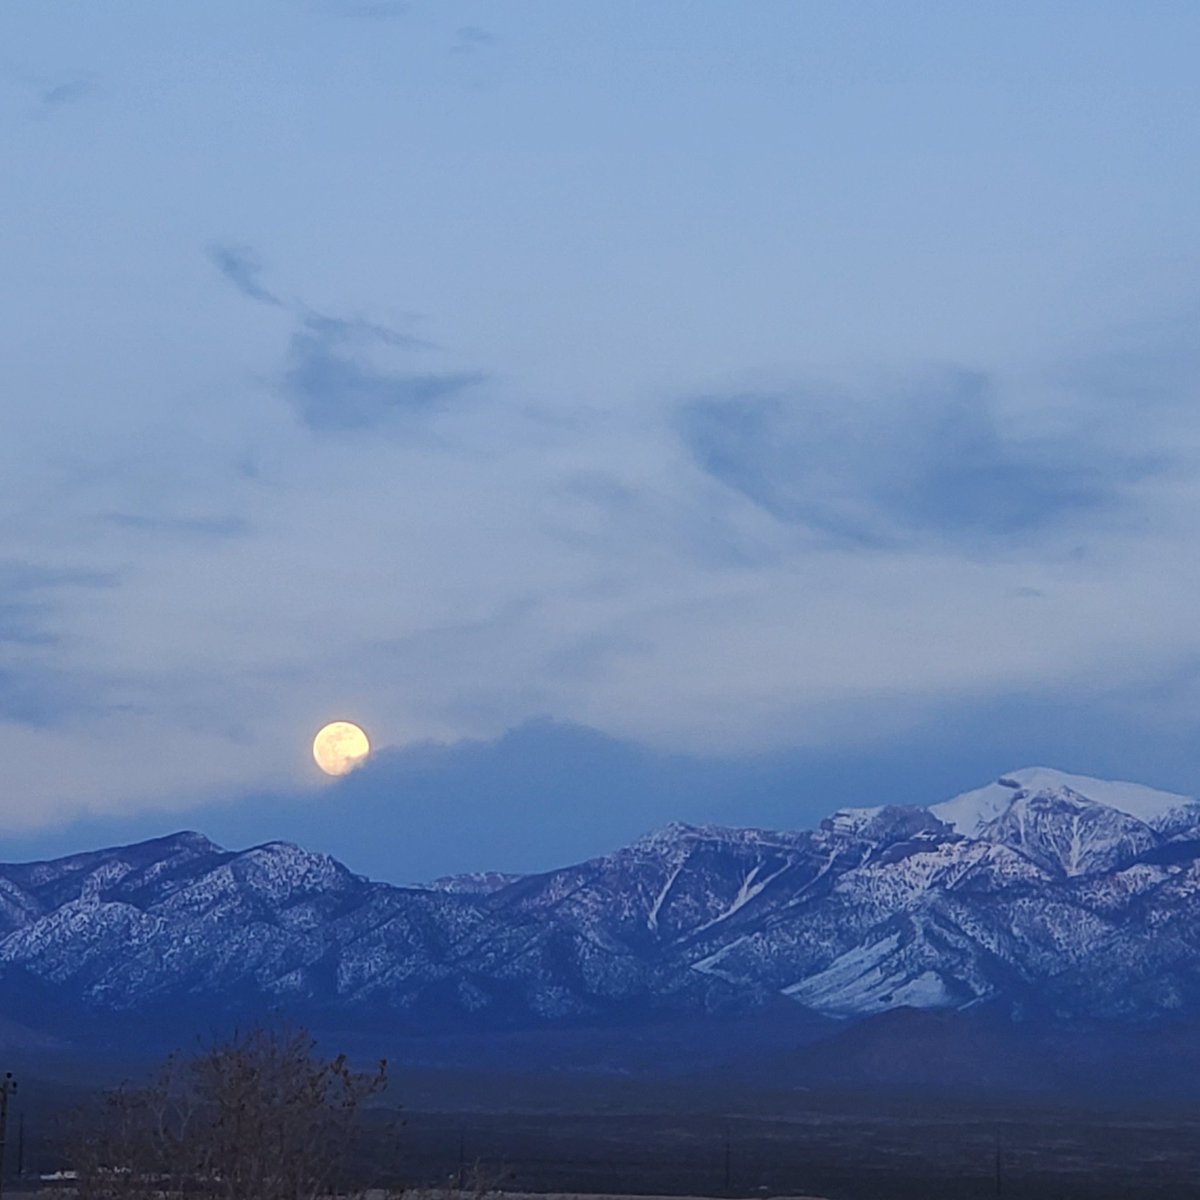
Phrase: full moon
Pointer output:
(339, 747)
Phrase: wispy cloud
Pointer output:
(29, 598)
(330, 379)
(21, 624)
(471, 38)
(29, 697)
(938, 462)
(70, 91)
(241, 266)
(1152, 362)
(25, 577)
(33, 691)
(332, 390)
(40, 695)
(336, 330)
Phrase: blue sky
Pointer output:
(626, 412)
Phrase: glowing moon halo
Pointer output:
(339, 747)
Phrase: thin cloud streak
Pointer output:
(335, 330)
(242, 268)
(330, 391)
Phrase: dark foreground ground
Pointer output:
(829, 1150)
(843, 1148)
(909, 1107)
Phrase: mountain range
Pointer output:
(1042, 894)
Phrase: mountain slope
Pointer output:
(1041, 892)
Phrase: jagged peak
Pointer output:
(886, 822)
(291, 856)
(677, 833)
(472, 883)
(851, 820)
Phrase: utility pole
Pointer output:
(8, 1085)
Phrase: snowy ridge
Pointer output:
(971, 811)
(1080, 897)
(472, 883)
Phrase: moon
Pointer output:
(339, 747)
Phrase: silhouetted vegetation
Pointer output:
(260, 1117)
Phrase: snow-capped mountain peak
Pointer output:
(971, 811)
(1078, 895)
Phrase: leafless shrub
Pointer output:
(260, 1117)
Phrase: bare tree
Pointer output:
(260, 1117)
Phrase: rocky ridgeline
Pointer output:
(1078, 897)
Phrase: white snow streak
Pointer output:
(652, 915)
(749, 889)
(1076, 847)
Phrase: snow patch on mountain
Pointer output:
(472, 883)
(869, 979)
(850, 821)
(1084, 894)
(1063, 831)
(969, 812)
